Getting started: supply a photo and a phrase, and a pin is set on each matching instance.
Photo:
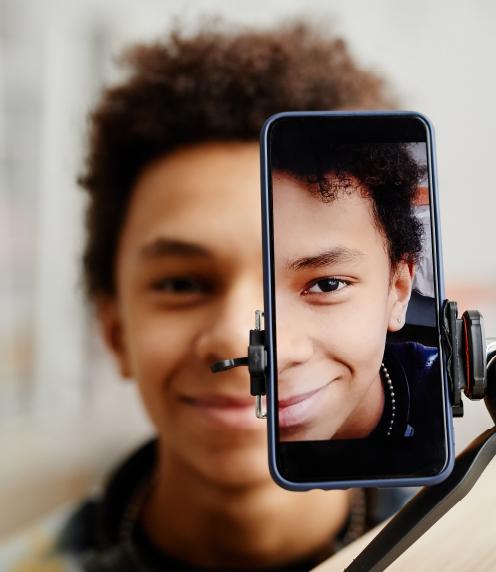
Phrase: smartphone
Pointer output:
(357, 389)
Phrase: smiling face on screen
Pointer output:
(337, 296)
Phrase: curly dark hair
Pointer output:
(307, 149)
(215, 85)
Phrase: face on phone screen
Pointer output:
(355, 302)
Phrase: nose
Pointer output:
(294, 344)
(226, 336)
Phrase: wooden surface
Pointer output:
(464, 540)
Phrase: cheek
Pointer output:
(159, 345)
(352, 333)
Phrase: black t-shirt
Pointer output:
(95, 536)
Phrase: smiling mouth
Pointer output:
(299, 409)
(224, 412)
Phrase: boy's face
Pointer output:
(189, 279)
(336, 298)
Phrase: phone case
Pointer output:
(268, 312)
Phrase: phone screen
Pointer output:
(353, 294)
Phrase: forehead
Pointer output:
(206, 194)
(304, 223)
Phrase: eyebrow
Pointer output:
(161, 247)
(335, 255)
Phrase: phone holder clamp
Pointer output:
(256, 362)
(465, 347)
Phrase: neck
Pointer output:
(258, 524)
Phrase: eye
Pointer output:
(325, 286)
(181, 285)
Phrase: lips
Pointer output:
(219, 401)
(298, 398)
(223, 411)
(299, 409)
(234, 412)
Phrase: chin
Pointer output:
(237, 466)
(312, 433)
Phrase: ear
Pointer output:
(400, 292)
(108, 316)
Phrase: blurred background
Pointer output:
(65, 417)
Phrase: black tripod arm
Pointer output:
(427, 507)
